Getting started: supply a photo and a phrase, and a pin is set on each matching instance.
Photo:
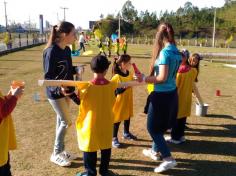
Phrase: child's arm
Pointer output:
(75, 98)
(197, 94)
(7, 105)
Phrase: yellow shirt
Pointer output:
(123, 107)
(95, 120)
(184, 83)
(7, 138)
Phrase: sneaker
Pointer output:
(166, 165)
(129, 136)
(183, 139)
(59, 160)
(151, 154)
(69, 156)
(110, 173)
(81, 174)
(116, 143)
(173, 141)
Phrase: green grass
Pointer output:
(211, 141)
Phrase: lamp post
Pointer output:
(5, 7)
(119, 26)
(214, 30)
(64, 8)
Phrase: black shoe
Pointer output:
(129, 136)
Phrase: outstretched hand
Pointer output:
(139, 77)
(17, 92)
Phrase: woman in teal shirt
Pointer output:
(163, 105)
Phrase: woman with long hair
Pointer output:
(163, 105)
(57, 64)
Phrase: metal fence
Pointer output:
(21, 40)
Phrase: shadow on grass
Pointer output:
(21, 60)
(228, 132)
(220, 116)
(126, 145)
(206, 147)
(184, 167)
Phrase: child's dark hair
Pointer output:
(57, 30)
(198, 57)
(117, 62)
(99, 64)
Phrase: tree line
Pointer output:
(188, 21)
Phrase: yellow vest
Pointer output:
(7, 138)
(184, 83)
(123, 107)
(95, 120)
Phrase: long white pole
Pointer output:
(119, 26)
(5, 4)
(214, 30)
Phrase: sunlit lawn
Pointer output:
(211, 141)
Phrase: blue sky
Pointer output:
(81, 11)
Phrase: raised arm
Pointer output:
(197, 94)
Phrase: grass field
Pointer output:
(211, 141)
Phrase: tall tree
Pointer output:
(128, 12)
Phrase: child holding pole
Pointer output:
(123, 106)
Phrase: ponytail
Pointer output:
(165, 32)
(57, 30)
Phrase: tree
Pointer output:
(128, 12)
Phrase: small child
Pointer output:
(7, 131)
(109, 45)
(95, 120)
(101, 48)
(123, 107)
(117, 47)
(185, 81)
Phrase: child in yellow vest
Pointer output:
(7, 130)
(123, 107)
(185, 82)
(95, 120)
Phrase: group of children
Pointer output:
(104, 104)
(119, 44)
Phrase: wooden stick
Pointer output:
(57, 83)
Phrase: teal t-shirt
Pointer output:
(170, 56)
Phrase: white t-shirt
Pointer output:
(81, 38)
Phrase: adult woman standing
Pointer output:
(57, 65)
(163, 105)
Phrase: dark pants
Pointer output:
(81, 44)
(90, 161)
(177, 130)
(116, 127)
(5, 170)
(147, 105)
(162, 113)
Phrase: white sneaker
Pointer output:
(69, 156)
(60, 160)
(151, 154)
(166, 165)
(183, 139)
(173, 141)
